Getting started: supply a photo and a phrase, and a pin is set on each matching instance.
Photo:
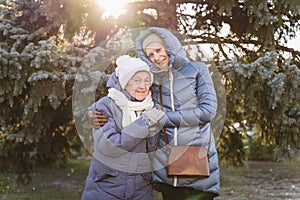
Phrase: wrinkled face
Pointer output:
(157, 53)
(138, 86)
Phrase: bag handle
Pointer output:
(165, 132)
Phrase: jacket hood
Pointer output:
(113, 82)
(174, 48)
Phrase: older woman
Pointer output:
(121, 164)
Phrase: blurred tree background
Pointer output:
(45, 44)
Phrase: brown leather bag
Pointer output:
(188, 161)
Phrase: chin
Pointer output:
(140, 98)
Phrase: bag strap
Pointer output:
(165, 132)
(161, 105)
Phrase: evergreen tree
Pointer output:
(38, 62)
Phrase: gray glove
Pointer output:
(153, 115)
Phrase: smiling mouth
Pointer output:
(141, 92)
(161, 62)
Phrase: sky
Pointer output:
(295, 43)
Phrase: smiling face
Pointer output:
(157, 53)
(138, 86)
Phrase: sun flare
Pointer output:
(113, 7)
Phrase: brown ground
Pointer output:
(256, 180)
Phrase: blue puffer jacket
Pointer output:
(121, 166)
(187, 87)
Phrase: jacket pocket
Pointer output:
(147, 177)
(101, 172)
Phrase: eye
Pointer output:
(147, 82)
(150, 56)
(136, 80)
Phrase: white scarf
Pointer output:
(129, 107)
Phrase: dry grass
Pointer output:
(256, 180)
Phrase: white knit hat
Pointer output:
(127, 66)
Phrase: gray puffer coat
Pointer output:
(121, 166)
(190, 102)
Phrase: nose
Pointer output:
(156, 56)
(142, 84)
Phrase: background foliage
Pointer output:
(45, 43)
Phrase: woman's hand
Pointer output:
(96, 118)
(154, 115)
